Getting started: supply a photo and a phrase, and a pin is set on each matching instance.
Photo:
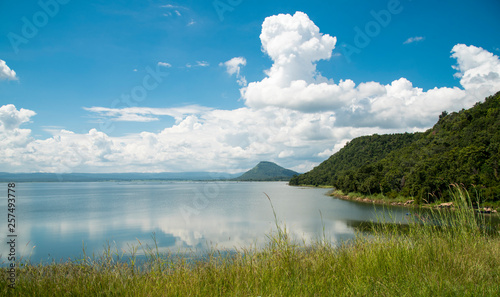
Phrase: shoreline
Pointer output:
(410, 203)
(407, 204)
(312, 186)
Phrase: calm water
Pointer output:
(55, 220)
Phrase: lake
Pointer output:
(54, 221)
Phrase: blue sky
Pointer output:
(101, 86)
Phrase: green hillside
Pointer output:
(356, 153)
(462, 148)
(267, 171)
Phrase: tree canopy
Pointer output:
(462, 147)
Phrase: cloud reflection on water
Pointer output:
(240, 216)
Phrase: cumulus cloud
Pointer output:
(400, 104)
(295, 44)
(210, 140)
(11, 118)
(414, 39)
(478, 69)
(5, 72)
(294, 116)
(233, 67)
(11, 136)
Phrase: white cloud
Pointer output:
(202, 63)
(414, 39)
(11, 118)
(198, 64)
(11, 136)
(294, 116)
(177, 12)
(5, 72)
(295, 44)
(163, 64)
(478, 69)
(233, 66)
(173, 9)
(144, 114)
(202, 139)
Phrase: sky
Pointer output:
(219, 85)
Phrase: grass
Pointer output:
(378, 197)
(398, 199)
(442, 254)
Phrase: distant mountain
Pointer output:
(267, 171)
(94, 177)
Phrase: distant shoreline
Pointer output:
(409, 203)
(142, 180)
(405, 203)
(312, 186)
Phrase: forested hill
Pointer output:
(462, 148)
(356, 153)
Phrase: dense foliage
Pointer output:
(357, 153)
(462, 148)
(267, 171)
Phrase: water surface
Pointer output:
(56, 220)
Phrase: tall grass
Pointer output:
(441, 254)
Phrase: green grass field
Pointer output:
(455, 255)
